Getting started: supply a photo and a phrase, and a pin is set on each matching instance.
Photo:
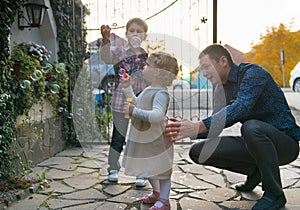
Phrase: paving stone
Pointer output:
(215, 195)
(37, 172)
(57, 203)
(57, 187)
(65, 167)
(296, 163)
(74, 152)
(178, 185)
(177, 196)
(55, 174)
(91, 164)
(234, 178)
(90, 194)
(286, 173)
(253, 195)
(116, 189)
(84, 170)
(190, 181)
(240, 205)
(213, 169)
(79, 160)
(292, 196)
(195, 169)
(184, 190)
(196, 204)
(112, 206)
(82, 182)
(215, 179)
(130, 196)
(88, 206)
(94, 151)
(29, 203)
(56, 161)
(288, 182)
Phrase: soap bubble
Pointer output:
(25, 84)
(54, 88)
(60, 67)
(79, 111)
(4, 97)
(36, 75)
(70, 116)
(47, 68)
(121, 72)
(136, 41)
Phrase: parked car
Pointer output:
(102, 75)
(295, 78)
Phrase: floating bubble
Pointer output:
(60, 109)
(54, 88)
(47, 68)
(135, 41)
(25, 84)
(70, 116)
(60, 67)
(36, 75)
(121, 71)
(4, 97)
(79, 111)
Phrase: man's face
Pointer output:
(211, 69)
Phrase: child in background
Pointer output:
(132, 59)
(147, 154)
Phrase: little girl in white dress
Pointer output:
(147, 154)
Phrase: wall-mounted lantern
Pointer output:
(34, 16)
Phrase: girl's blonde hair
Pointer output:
(166, 62)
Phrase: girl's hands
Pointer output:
(125, 80)
(105, 32)
(128, 108)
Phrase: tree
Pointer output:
(267, 52)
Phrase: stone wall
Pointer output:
(39, 136)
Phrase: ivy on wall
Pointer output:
(7, 88)
(69, 16)
(71, 33)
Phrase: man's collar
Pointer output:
(233, 74)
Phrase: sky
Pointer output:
(240, 22)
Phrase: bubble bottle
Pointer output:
(128, 100)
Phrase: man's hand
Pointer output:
(181, 129)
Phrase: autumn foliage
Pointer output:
(267, 52)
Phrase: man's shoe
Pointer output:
(251, 182)
(113, 176)
(140, 182)
(269, 202)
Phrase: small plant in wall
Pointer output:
(37, 78)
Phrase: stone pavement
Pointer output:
(78, 181)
